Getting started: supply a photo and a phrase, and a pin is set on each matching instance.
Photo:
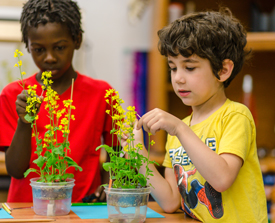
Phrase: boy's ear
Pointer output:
(227, 68)
(78, 41)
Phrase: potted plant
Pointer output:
(128, 191)
(52, 190)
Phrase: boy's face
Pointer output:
(52, 48)
(193, 79)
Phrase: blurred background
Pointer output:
(120, 46)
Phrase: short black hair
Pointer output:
(212, 35)
(37, 12)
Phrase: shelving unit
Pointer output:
(260, 67)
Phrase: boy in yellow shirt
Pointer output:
(212, 169)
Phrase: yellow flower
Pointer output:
(64, 121)
(125, 148)
(15, 65)
(139, 146)
(23, 73)
(58, 114)
(48, 74)
(48, 126)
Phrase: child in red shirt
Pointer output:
(52, 31)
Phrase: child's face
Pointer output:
(52, 48)
(193, 79)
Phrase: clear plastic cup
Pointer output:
(52, 199)
(127, 205)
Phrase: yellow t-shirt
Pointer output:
(230, 129)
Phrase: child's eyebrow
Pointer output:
(60, 41)
(188, 60)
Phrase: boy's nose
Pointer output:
(179, 77)
(50, 58)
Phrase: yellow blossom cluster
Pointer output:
(59, 118)
(123, 120)
(32, 100)
(18, 54)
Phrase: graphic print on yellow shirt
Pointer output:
(198, 191)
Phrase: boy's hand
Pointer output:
(157, 119)
(98, 196)
(21, 104)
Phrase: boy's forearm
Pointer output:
(19, 152)
(219, 173)
(165, 190)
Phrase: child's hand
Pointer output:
(98, 196)
(157, 119)
(21, 104)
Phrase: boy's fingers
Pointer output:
(124, 136)
(138, 124)
(100, 194)
(41, 98)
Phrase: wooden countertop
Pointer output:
(177, 217)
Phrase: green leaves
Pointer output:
(29, 118)
(29, 171)
(40, 161)
(108, 166)
(72, 163)
(107, 148)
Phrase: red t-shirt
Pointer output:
(90, 124)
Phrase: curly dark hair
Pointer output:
(43, 11)
(211, 35)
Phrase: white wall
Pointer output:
(109, 39)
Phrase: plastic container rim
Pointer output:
(69, 183)
(145, 190)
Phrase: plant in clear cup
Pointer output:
(128, 190)
(52, 153)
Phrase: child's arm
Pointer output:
(165, 190)
(19, 152)
(219, 171)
